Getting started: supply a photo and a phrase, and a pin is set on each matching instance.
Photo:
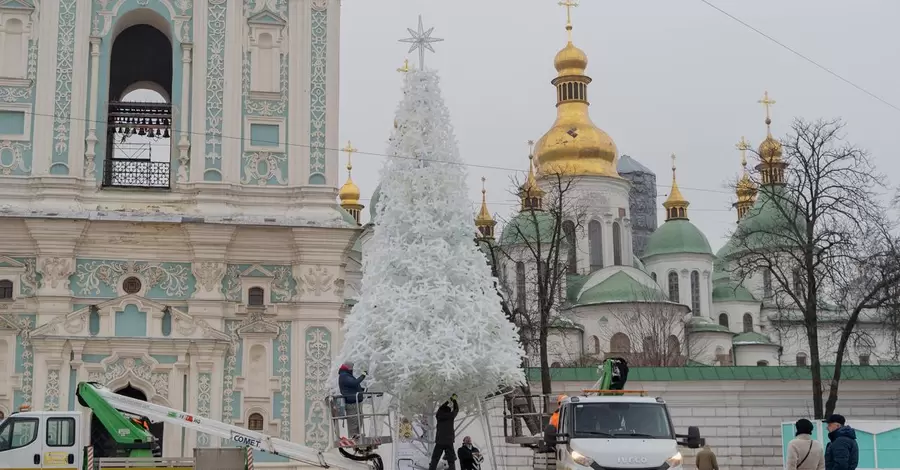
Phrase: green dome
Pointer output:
(677, 236)
(761, 225)
(705, 325)
(636, 262)
(726, 290)
(752, 338)
(522, 228)
(376, 195)
(622, 287)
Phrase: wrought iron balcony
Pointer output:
(132, 130)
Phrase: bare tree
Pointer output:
(820, 238)
(651, 331)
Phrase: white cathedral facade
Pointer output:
(186, 248)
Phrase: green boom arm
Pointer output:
(129, 438)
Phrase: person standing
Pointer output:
(706, 459)
(445, 434)
(351, 390)
(842, 452)
(469, 455)
(804, 453)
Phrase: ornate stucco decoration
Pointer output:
(118, 370)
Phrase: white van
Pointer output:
(617, 432)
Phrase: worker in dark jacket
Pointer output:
(446, 434)
(842, 452)
(469, 455)
(351, 388)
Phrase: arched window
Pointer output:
(673, 286)
(801, 359)
(762, 363)
(798, 281)
(617, 244)
(256, 297)
(653, 276)
(595, 345)
(695, 292)
(555, 365)
(723, 320)
(255, 422)
(595, 239)
(6, 289)
(748, 323)
(571, 250)
(619, 343)
(13, 48)
(649, 345)
(520, 285)
(673, 346)
(767, 283)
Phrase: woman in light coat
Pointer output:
(804, 453)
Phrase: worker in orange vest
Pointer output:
(554, 418)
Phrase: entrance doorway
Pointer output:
(103, 444)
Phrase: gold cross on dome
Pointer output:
(350, 151)
(673, 163)
(530, 147)
(569, 4)
(743, 146)
(767, 103)
(483, 190)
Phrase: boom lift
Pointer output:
(127, 422)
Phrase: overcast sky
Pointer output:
(670, 76)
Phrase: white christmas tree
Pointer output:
(428, 323)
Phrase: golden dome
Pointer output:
(530, 193)
(349, 192)
(676, 205)
(574, 145)
(770, 148)
(570, 61)
(484, 222)
(771, 165)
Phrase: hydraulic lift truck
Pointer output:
(52, 439)
(643, 435)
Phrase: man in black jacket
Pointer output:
(446, 434)
(468, 454)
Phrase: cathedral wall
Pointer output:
(684, 265)
(605, 200)
(735, 313)
(174, 311)
(872, 341)
(233, 130)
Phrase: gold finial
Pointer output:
(531, 193)
(569, 4)
(743, 146)
(767, 103)
(676, 205)
(484, 222)
(405, 67)
(530, 148)
(349, 192)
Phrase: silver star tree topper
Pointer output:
(421, 40)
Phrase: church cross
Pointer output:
(743, 146)
(350, 151)
(767, 103)
(569, 4)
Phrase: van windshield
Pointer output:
(622, 421)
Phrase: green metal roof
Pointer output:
(761, 226)
(522, 228)
(636, 262)
(677, 236)
(621, 287)
(705, 325)
(574, 283)
(683, 374)
(726, 290)
(751, 337)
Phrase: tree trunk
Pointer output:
(815, 363)
(543, 335)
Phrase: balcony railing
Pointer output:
(132, 129)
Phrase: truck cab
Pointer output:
(41, 439)
(618, 431)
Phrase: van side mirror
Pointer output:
(692, 440)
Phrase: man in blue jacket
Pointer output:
(351, 389)
(842, 453)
